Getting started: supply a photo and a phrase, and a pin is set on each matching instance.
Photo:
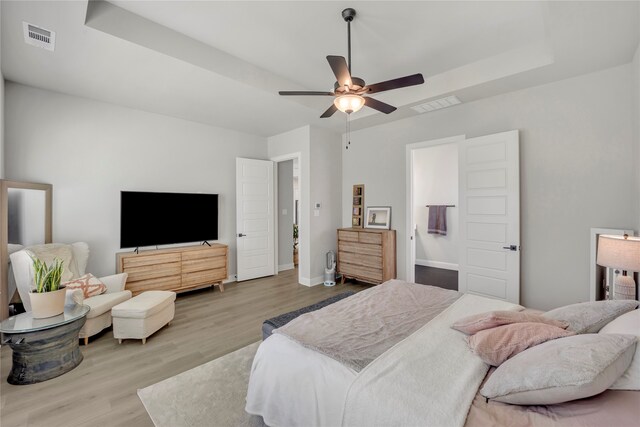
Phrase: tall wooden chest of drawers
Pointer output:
(366, 254)
(175, 269)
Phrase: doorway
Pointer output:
(288, 212)
(414, 201)
(435, 212)
(488, 211)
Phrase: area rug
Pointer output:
(212, 394)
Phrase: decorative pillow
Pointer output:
(89, 284)
(479, 322)
(590, 317)
(496, 345)
(561, 370)
(628, 323)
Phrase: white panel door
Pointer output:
(254, 218)
(490, 216)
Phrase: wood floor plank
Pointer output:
(208, 324)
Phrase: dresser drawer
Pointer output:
(160, 283)
(204, 253)
(374, 238)
(139, 273)
(204, 277)
(360, 259)
(360, 272)
(348, 236)
(142, 260)
(360, 248)
(203, 264)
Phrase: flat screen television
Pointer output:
(149, 219)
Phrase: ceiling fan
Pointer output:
(348, 91)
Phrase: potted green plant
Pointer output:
(47, 297)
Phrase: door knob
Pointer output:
(511, 247)
(241, 235)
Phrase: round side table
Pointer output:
(43, 348)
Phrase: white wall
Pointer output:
(636, 117)
(577, 171)
(326, 183)
(292, 142)
(435, 182)
(90, 151)
(285, 219)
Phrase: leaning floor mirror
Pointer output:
(25, 220)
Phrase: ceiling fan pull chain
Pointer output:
(348, 126)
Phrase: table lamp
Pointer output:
(622, 253)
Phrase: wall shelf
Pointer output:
(357, 209)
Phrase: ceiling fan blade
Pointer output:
(415, 79)
(379, 105)
(303, 92)
(340, 69)
(329, 112)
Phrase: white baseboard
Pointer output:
(437, 264)
(230, 279)
(314, 281)
(284, 267)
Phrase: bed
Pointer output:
(419, 373)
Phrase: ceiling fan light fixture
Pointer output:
(349, 103)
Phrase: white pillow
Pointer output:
(561, 370)
(628, 323)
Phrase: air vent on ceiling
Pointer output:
(436, 104)
(39, 37)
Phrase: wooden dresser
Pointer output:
(175, 269)
(366, 254)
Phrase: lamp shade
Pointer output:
(619, 252)
(349, 103)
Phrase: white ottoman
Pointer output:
(143, 315)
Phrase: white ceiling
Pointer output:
(222, 63)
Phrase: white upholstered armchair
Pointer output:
(75, 257)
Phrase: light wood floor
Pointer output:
(101, 391)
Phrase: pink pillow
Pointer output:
(496, 345)
(89, 284)
(479, 322)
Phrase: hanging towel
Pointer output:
(437, 220)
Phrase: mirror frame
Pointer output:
(5, 185)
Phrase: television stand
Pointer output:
(175, 269)
(206, 243)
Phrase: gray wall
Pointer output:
(326, 183)
(1, 106)
(577, 168)
(26, 216)
(285, 220)
(636, 115)
(297, 141)
(320, 182)
(90, 151)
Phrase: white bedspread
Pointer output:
(430, 378)
(291, 385)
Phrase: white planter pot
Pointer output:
(47, 304)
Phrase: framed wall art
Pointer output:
(378, 217)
